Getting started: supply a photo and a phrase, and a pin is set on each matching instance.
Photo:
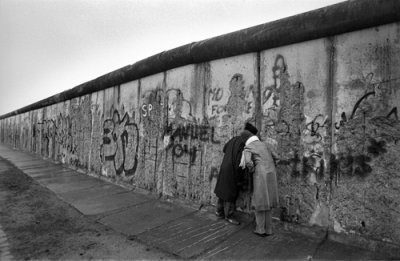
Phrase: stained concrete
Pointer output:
(246, 246)
(33, 165)
(336, 251)
(36, 168)
(106, 189)
(45, 175)
(66, 179)
(191, 235)
(112, 202)
(140, 218)
(62, 187)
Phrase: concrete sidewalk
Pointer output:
(179, 230)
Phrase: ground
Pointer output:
(38, 225)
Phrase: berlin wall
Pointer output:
(322, 87)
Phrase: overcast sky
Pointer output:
(48, 46)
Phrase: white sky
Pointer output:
(48, 46)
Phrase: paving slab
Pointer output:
(50, 169)
(72, 186)
(331, 250)
(106, 189)
(37, 167)
(43, 169)
(21, 158)
(49, 174)
(245, 245)
(108, 203)
(190, 235)
(66, 179)
(141, 218)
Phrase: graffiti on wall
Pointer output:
(48, 136)
(120, 143)
(228, 108)
(180, 134)
(65, 137)
(179, 109)
(365, 133)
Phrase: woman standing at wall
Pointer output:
(257, 157)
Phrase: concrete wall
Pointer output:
(328, 107)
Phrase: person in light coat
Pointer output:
(257, 157)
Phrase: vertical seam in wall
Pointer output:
(138, 100)
(163, 116)
(258, 113)
(92, 131)
(331, 102)
(119, 94)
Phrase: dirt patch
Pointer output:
(39, 225)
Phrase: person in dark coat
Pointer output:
(230, 175)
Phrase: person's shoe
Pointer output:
(260, 234)
(232, 221)
(219, 215)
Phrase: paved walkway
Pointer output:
(180, 230)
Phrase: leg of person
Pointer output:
(260, 223)
(229, 209)
(220, 208)
(268, 222)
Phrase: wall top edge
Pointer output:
(332, 20)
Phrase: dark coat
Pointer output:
(230, 174)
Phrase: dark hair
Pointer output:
(251, 128)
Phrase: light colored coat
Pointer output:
(258, 158)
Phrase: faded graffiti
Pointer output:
(366, 133)
(228, 109)
(178, 107)
(120, 143)
(316, 125)
(215, 94)
(273, 91)
(194, 132)
(49, 132)
(65, 137)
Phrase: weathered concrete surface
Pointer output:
(42, 169)
(53, 174)
(365, 198)
(245, 246)
(191, 235)
(143, 217)
(328, 107)
(112, 202)
(90, 193)
(295, 107)
(188, 233)
(76, 184)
